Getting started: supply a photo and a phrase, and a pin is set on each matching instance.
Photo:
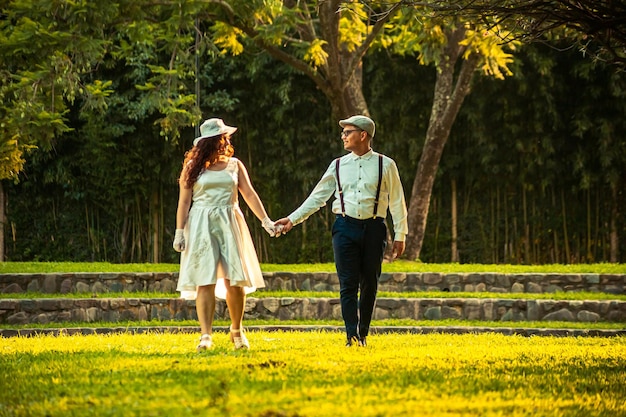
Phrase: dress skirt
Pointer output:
(218, 247)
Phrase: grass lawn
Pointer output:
(399, 323)
(313, 374)
(297, 374)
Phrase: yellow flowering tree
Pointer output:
(325, 40)
(458, 49)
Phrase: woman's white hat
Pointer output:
(213, 127)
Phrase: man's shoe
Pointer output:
(362, 342)
(352, 341)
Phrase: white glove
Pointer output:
(269, 227)
(179, 240)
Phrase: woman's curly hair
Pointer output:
(206, 153)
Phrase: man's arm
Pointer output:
(397, 207)
(316, 200)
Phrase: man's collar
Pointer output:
(367, 155)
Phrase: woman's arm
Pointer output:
(249, 194)
(184, 200)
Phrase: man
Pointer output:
(365, 185)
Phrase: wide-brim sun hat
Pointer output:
(213, 127)
(362, 122)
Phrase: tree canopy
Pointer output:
(99, 103)
(599, 25)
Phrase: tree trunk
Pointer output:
(125, 233)
(567, 254)
(155, 227)
(614, 234)
(340, 77)
(557, 252)
(527, 257)
(353, 100)
(349, 100)
(454, 248)
(588, 239)
(446, 104)
(3, 219)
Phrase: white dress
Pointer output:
(218, 244)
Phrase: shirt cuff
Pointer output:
(292, 219)
(400, 237)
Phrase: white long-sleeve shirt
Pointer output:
(359, 180)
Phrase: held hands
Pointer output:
(179, 240)
(271, 228)
(285, 225)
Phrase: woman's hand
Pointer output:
(179, 240)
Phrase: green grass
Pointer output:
(297, 374)
(322, 323)
(329, 294)
(313, 374)
(397, 266)
(93, 267)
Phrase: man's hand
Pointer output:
(285, 223)
(398, 249)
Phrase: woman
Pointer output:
(212, 233)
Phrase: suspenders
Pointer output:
(380, 180)
(343, 207)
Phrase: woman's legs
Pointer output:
(236, 302)
(205, 307)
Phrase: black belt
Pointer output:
(359, 221)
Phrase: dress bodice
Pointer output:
(217, 188)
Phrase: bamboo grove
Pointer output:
(533, 169)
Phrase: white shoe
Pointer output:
(240, 341)
(206, 342)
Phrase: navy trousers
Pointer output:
(359, 246)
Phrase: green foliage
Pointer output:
(422, 33)
(525, 138)
(293, 373)
(46, 48)
(78, 40)
(98, 129)
(226, 37)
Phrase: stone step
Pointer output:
(65, 283)
(59, 310)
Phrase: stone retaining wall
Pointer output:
(19, 312)
(85, 283)
(399, 282)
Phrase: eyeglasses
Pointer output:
(347, 132)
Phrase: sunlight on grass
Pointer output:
(313, 374)
(321, 323)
